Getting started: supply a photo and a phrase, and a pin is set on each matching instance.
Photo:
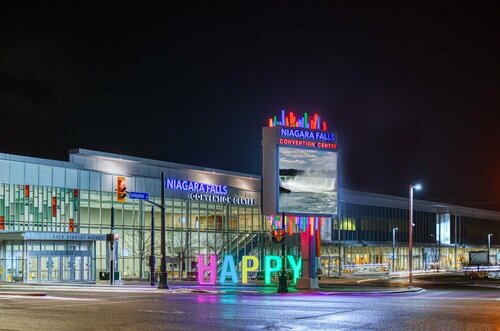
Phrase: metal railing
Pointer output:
(368, 267)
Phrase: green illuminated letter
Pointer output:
(268, 268)
(295, 267)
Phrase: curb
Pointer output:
(414, 290)
(24, 294)
(216, 291)
(186, 290)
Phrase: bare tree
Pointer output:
(184, 243)
(138, 241)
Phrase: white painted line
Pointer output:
(161, 311)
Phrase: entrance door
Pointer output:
(50, 270)
(87, 268)
(55, 268)
(68, 268)
(77, 274)
(33, 269)
(44, 268)
(72, 269)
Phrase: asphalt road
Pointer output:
(434, 309)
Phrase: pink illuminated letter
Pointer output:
(211, 269)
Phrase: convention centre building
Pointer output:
(55, 215)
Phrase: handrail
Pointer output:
(482, 268)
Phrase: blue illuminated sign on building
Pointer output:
(222, 199)
(186, 185)
(306, 134)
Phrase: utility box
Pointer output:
(104, 275)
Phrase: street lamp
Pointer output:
(489, 247)
(416, 187)
(393, 246)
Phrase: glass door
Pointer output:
(77, 272)
(50, 270)
(33, 269)
(67, 266)
(72, 269)
(87, 268)
(44, 268)
(55, 269)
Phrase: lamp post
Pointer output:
(489, 247)
(393, 247)
(410, 234)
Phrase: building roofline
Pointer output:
(423, 205)
(38, 160)
(157, 163)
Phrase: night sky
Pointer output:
(413, 91)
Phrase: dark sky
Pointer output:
(413, 91)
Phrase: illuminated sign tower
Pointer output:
(300, 182)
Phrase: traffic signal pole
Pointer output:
(152, 258)
(121, 193)
(112, 249)
(283, 284)
(163, 284)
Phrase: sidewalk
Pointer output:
(420, 273)
(339, 286)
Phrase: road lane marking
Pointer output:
(161, 311)
(326, 314)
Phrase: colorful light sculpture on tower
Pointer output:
(305, 121)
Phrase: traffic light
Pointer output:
(121, 189)
(278, 236)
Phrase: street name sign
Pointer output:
(138, 195)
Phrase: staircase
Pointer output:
(241, 244)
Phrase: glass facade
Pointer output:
(192, 228)
(79, 197)
(441, 239)
(38, 208)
